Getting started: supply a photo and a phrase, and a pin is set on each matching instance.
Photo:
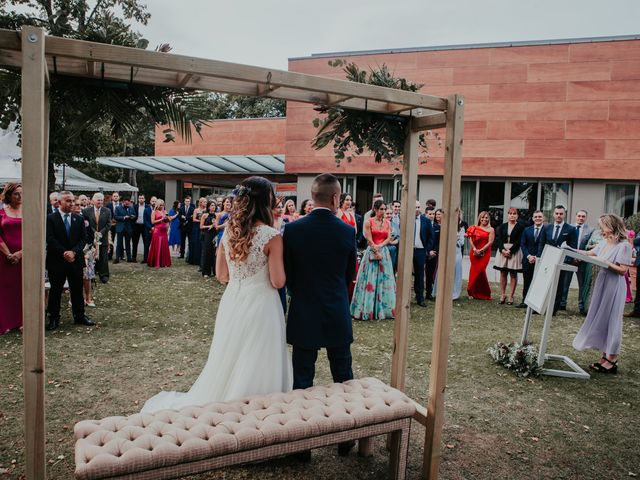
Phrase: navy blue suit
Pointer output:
(427, 237)
(567, 234)
(320, 262)
(431, 263)
(124, 230)
(58, 242)
(636, 246)
(186, 225)
(530, 245)
(143, 229)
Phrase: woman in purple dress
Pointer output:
(602, 329)
(11, 258)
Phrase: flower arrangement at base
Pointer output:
(520, 358)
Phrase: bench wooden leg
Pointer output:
(399, 451)
(365, 447)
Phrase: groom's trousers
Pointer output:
(304, 365)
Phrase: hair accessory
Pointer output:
(241, 190)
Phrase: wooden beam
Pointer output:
(421, 414)
(405, 260)
(91, 68)
(336, 99)
(429, 122)
(99, 52)
(10, 40)
(446, 273)
(183, 78)
(34, 181)
(265, 90)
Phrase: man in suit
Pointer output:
(186, 223)
(530, 245)
(635, 313)
(111, 206)
(431, 262)
(66, 239)
(395, 233)
(320, 262)
(124, 214)
(99, 220)
(54, 203)
(584, 232)
(422, 244)
(141, 227)
(556, 234)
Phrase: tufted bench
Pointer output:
(170, 444)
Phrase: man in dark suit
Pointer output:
(556, 234)
(124, 214)
(431, 262)
(111, 206)
(423, 240)
(320, 262)
(583, 232)
(141, 227)
(635, 313)
(531, 251)
(54, 203)
(186, 223)
(99, 219)
(66, 239)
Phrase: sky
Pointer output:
(267, 33)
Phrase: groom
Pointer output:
(320, 262)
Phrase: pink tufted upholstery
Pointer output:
(174, 443)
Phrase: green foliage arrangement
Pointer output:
(520, 358)
(633, 222)
(354, 131)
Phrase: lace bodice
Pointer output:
(256, 261)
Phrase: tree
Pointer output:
(90, 118)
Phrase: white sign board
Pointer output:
(538, 294)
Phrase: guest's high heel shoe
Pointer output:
(502, 300)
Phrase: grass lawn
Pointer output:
(154, 331)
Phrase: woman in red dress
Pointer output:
(159, 253)
(11, 258)
(349, 218)
(481, 237)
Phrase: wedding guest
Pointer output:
(222, 218)
(422, 244)
(111, 206)
(141, 228)
(54, 203)
(207, 226)
(457, 278)
(89, 273)
(602, 329)
(124, 230)
(395, 233)
(159, 254)
(374, 297)
(344, 210)
(174, 228)
(279, 222)
(99, 219)
(635, 313)
(195, 240)
(509, 257)
(290, 212)
(430, 204)
(481, 238)
(66, 239)
(583, 274)
(306, 208)
(152, 202)
(84, 201)
(530, 247)
(369, 213)
(11, 258)
(186, 223)
(431, 263)
(630, 236)
(557, 234)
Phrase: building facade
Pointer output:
(545, 124)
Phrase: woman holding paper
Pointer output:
(602, 329)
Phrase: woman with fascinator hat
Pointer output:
(249, 330)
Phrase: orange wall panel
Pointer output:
(528, 92)
(523, 129)
(624, 110)
(613, 90)
(564, 149)
(490, 74)
(604, 51)
(564, 72)
(605, 129)
(624, 150)
(629, 70)
(593, 110)
(530, 54)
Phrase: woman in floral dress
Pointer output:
(375, 293)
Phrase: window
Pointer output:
(491, 199)
(524, 197)
(385, 186)
(468, 201)
(620, 199)
(553, 194)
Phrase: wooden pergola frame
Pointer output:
(38, 54)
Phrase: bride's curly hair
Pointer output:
(253, 202)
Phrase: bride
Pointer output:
(248, 353)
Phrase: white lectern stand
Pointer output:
(541, 298)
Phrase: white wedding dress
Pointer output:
(248, 353)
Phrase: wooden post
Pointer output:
(444, 304)
(405, 259)
(34, 182)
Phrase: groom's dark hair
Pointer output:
(324, 187)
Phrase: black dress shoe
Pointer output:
(422, 304)
(143, 261)
(345, 447)
(116, 261)
(85, 321)
(104, 279)
(521, 305)
(562, 308)
(632, 314)
(53, 324)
